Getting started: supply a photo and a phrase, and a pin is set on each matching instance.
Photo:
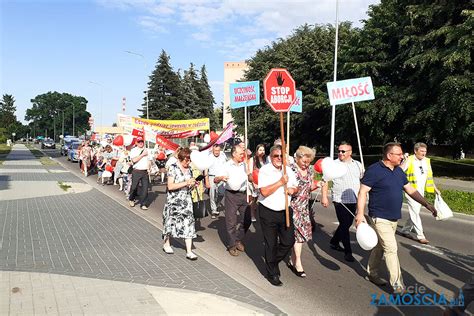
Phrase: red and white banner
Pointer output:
(179, 134)
(226, 134)
(166, 143)
(138, 132)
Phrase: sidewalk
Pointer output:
(82, 252)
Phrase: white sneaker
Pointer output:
(131, 203)
(168, 250)
(191, 256)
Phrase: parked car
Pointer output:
(73, 153)
(67, 143)
(48, 143)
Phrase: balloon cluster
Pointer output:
(202, 159)
(330, 169)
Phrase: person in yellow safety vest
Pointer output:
(420, 175)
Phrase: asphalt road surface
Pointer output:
(332, 286)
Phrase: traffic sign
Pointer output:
(279, 89)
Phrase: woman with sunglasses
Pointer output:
(178, 219)
(300, 205)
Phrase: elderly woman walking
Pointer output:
(178, 219)
(300, 205)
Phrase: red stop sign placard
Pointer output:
(279, 90)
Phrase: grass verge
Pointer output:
(4, 151)
(37, 153)
(458, 201)
(64, 186)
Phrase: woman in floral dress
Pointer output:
(300, 205)
(178, 219)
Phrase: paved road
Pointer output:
(442, 266)
(334, 286)
(90, 238)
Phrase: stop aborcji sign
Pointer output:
(279, 90)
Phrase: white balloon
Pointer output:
(202, 159)
(236, 181)
(207, 138)
(106, 174)
(333, 169)
(366, 236)
(127, 140)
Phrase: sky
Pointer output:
(79, 46)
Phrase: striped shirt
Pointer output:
(346, 188)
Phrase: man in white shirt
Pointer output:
(234, 175)
(216, 192)
(278, 238)
(139, 157)
(344, 194)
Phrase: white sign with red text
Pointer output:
(351, 90)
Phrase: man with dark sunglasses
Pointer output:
(140, 160)
(278, 238)
(344, 195)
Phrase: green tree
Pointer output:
(206, 99)
(164, 90)
(418, 54)
(47, 112)
(308, 55)
(191, 107)
(7, 111)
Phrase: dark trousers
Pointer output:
(137, 177)
(277, 237)
(345, 221)
(235, 208)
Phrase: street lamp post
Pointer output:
(146, 93)
(73, 121)
(101, 98)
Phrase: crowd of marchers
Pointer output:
(246, 187)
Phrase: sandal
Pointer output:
(300, 274)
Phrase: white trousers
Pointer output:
(414, 220)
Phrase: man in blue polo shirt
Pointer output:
(384, 182)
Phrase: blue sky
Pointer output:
(63, 45)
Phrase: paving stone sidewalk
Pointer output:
(91, 236)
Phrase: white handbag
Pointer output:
(444, 212)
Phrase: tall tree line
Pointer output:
(8, 121)
(418, 54)
(172, 95)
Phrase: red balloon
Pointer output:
(109, 168)
(161, 156)
(318, 167)
(118, 140)
(213, 135)
(255, 176)
(315, 184)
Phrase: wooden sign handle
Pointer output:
(283, 153)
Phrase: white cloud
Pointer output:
(151, 23)
(254, 20)
(201, 36)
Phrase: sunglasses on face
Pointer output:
(343, 151)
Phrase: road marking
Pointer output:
(452, 255)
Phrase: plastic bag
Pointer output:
(444, 212)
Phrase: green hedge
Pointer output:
(458, 201)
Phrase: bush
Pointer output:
(458, 201)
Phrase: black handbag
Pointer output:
(201, 207)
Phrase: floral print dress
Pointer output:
(178, 218)
(299, 204)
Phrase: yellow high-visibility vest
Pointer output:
(429, 186)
